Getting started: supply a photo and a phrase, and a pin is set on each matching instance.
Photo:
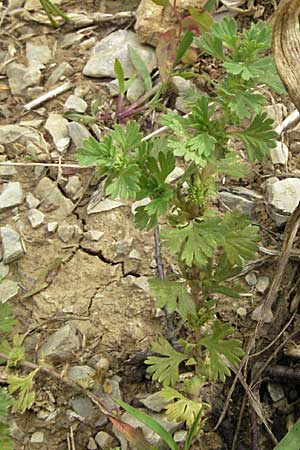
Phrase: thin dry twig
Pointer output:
(48, 96)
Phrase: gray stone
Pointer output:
(78, 133)
(11, 195)
(279, 154)
(123, 247)
(7, 171)
(242, 312)
(77, 231)
(276, 112)
(104, 440)
(135, 90)
(262, 284)
(83, 407)
(92, 444)
(8, 289)
(31, 201)
(57, 126)
(60, 344)
(116, 45)
(284, 194)
(104, 205)
(12, 245)
(52, 227)
(93, 235)
(38, 53)
(276, 392)
(71, 39)
(251, 279)
(35, 217)
(140, 282)
(75, 104)
(257, 315)
(233, 201)
(113, 88)
(48, 191)
(21, 77)
(143, 202)
(155, 402)
(180, 436)
(88, 43)
(37, 437)
(63, 70)
(12, 134)
(73, 186)
(4, 270)
(174, 175)
(83, 374)
(134, 254)
(184, 88)
(65, 232)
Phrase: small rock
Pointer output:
(140, 282)
(75, 104)
(93, 235)
(65, 232)
(60, 344)
(12, 245)
(233, 201)
(279, 154)
(103, 205)
(180, 436)
(136, 90)
(78, 133)
(185, 89)
(37, 437)
(83, 407)
(21, 77)
(242, 312)
(71, 39)
(92, 444)
(26, 136)
(7, 171)
(31, 201)
(123, 247)
(57, 126)
(52, 227)
(257, 315)
(4, 270)
(8, 290)
(64, 69)
(35, 217)
(262, 284)
(104, 440)
(284, 194)
(77, 231)
(276, 392)
(155, 402)
(276, 112)
(174, 175)
(48, 191)
(11, 196)
(103, 364)
(83, 374)
(38, 53)
(251, 279)
(73, 186)
(134, 254)
(88, 43)
(113, 88)
(116, 45)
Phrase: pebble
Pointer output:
(21, 77)
(123, 247)
(134, 254)
(256, 315)
(82, 373)
(279, 154)
(140, 282)
(92, 444)
(37, 437)
(57, 127)
(180, 436)
(104, 440)
(93, 235)
(83, 407)
(65, 232)
(75, 104)
(262, 284)
(13, 247)
(73, 186)
(48, 191)
(116, 45)
(35, 217)
(242, 312)
(103, 205)
(8, 290)
(7, 171)
(276, 112)
(234, 201)
(113, 88)
(88, 43)
(38, 53)
(52, 227)
(174, 175)
(78, 133)
(284, 194)
(31, 201)
(64, 69)
(135, 90)
(276, 392)
(4, 270)
(11, 195)
(155, 402)
(251, 279)
(184, 88)
(60, 344)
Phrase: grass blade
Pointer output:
(150, 423)
(141, 68)
(291, 440)
(183, 46)
(119, 72)
(193, 431)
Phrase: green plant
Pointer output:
(291, 440)
(209, 247)
(53, 11)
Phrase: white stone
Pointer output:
(4, 270)
(11, 196)
(104, 205)
(52, 227)
(75, 104)
(65, 232)
(78, 133)
(57, 126)
(279, 154)
(73, 185)
(8, 290)
(35, 217)
(135, 90)
(174, 175)
(93, 235)
(31, 201)
(284, 194)
(242, 312)
(12, 244)
(38, 53)
(7, 171)
(37, 437)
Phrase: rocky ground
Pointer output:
(73, 267)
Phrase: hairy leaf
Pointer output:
(183, 46)
(221, 351)
(22, 385)
(174, 296)
(141, 68)
(118, 69)
(165, 368)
